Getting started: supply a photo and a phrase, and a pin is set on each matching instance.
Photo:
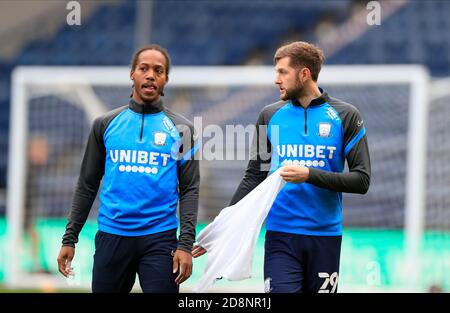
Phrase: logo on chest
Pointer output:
(324, 130)
(160, 138)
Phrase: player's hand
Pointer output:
(198, 251)
(65, 257)
(182, 260)
(295, 173)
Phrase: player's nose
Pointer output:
(150, 75)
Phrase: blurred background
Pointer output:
(227, 33)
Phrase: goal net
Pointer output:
(385, 230)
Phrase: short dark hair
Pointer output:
(302, 53)
(156, 47)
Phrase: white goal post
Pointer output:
(415, 77)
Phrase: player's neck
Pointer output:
(139, 100)
(312, 92)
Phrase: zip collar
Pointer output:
(147, 107)
(323, 98)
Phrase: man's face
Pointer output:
(149, 76)
(287, 79)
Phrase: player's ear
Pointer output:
(304, 74)
(307, 73)
(132, 74)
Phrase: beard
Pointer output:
(295, 92)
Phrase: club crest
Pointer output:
(160, 138)
(324, 129)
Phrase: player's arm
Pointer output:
(357, 180)
(356, 149)
(259, 165)
(91, 173)
(188, 186)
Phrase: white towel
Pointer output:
(231, 238)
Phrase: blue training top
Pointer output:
(320, 137)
